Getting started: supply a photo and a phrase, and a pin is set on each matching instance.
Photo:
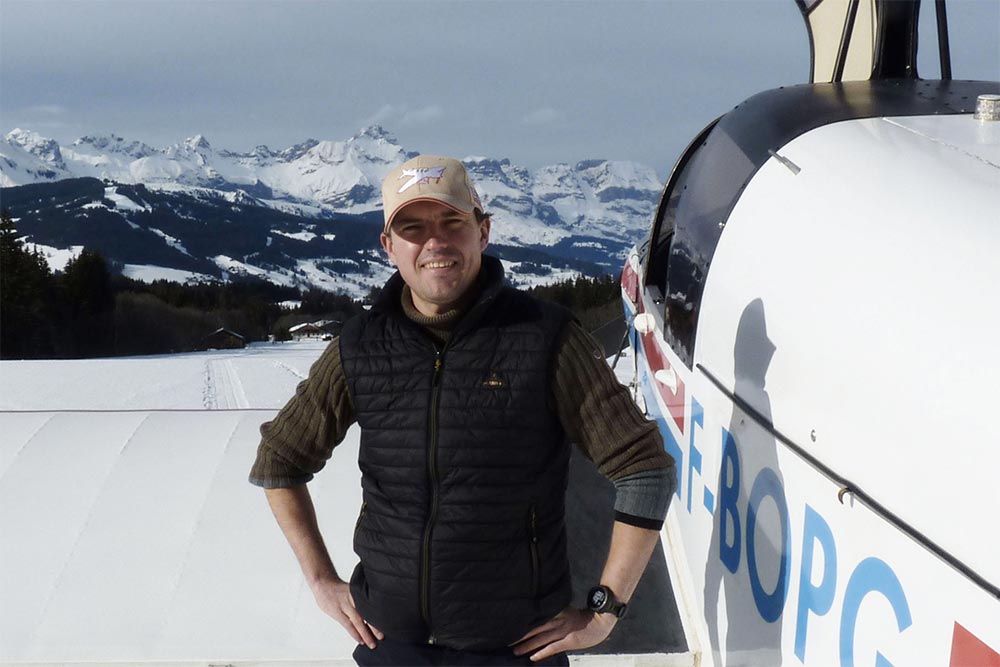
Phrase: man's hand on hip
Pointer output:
(571, 629)
(334, 597)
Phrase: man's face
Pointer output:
(438, 252)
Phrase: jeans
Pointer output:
(399, 654)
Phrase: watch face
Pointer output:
(597, 598)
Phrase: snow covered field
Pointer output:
(261, 376)
(129, 531)
(131, 534)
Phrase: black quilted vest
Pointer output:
(464, 466)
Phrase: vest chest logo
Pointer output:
(494, 381)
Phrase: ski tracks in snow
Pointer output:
(283, 366)
(223, 389)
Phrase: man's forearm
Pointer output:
(293, 508)
(574, 629)
(294, 511)
(630, 550)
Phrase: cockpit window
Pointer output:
(666, 215)
(689, 222)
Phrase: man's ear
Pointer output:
(386, 241)
(484, 234)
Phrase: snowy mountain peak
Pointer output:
(262, 151)
(112, 143)
(491, 169)
(23, 137)
(197, 142)
(618, 179)
(35, 144)
(375, 132)
(298, 150)
(486, 163)
(374, 144)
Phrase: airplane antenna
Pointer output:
(896, 42)
(944, 50)
(845, 41)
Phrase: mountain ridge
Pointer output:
(590, 212)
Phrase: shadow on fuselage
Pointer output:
(746, 560)
(652, 624)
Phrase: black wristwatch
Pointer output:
(601, 600)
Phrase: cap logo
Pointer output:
(420, 176)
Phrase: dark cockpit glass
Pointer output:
(690, 222)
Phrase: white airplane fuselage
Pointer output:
(823, 370)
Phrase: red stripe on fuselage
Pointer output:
(630, 283)
(968, 650)
(657, 361)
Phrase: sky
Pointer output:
(538, 82)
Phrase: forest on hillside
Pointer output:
(88, 311)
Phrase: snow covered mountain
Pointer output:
(589, 212)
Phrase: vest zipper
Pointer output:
(361, 515)
(432, 474)
(533, 545)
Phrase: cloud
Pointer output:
(41, 117)
(423, 116)
(383, 116)
(45, 124)
(405, 115)
(46, 109)
(543, 116)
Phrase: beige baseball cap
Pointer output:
(428, 178)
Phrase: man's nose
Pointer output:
(436, 237)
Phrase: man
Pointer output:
(467, 393)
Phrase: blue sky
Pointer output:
(538, 82)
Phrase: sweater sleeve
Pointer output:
(297, 443)
(600, 416)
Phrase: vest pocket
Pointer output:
(533, 547)
(361, 515)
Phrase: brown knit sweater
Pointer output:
(595, 410)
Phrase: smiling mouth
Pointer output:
(440, 265)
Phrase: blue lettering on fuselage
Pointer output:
(729, 495)
(694, 454)
(872, 575)
(737, 529)
(769, 605)
(816, 598)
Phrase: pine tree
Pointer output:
(27, 323)
(90, 304)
